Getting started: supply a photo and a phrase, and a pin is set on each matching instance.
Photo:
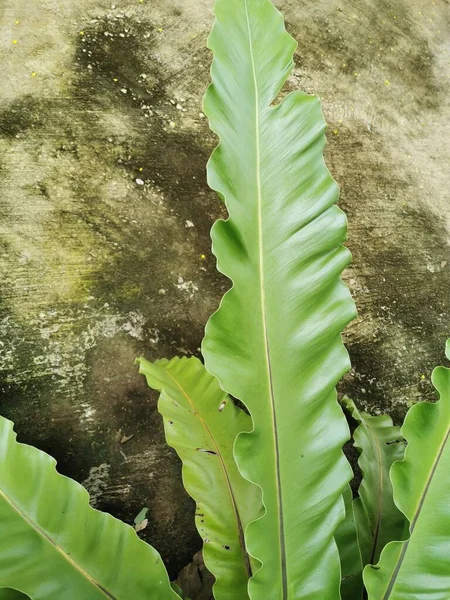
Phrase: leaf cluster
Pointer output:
(274, 507)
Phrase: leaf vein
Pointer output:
(415, 518)
(263, 312)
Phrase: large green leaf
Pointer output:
(275, 343)
(54, 546)
(378, 519)
(419, 568)
(10, 594)
(201, 422)
(347, 541)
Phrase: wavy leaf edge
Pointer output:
(175, 369)
(49, 464)
(295, 96)
(408, 433)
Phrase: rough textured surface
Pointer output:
(105, 218)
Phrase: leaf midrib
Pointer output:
(40, 531)
(415, 518)
(264, 320)
(240, 527)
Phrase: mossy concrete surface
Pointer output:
(105, 218)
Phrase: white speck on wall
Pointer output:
(25, 257)
(88, 413)
(189, 224)
(154, 332)
(189, 287)
(97, 482)
(135, 325)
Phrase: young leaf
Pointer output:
(275, 342)
(178, 590)
(201, 422)
(54, 545)
(420, 566)
(347, 542)
(378, 520)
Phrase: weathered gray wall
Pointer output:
(97, 269)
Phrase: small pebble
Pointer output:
(139, 182)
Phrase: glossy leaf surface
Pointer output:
(201, 423)
(275, 343)
(378, 519)
(419, 568)
(54, 546)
